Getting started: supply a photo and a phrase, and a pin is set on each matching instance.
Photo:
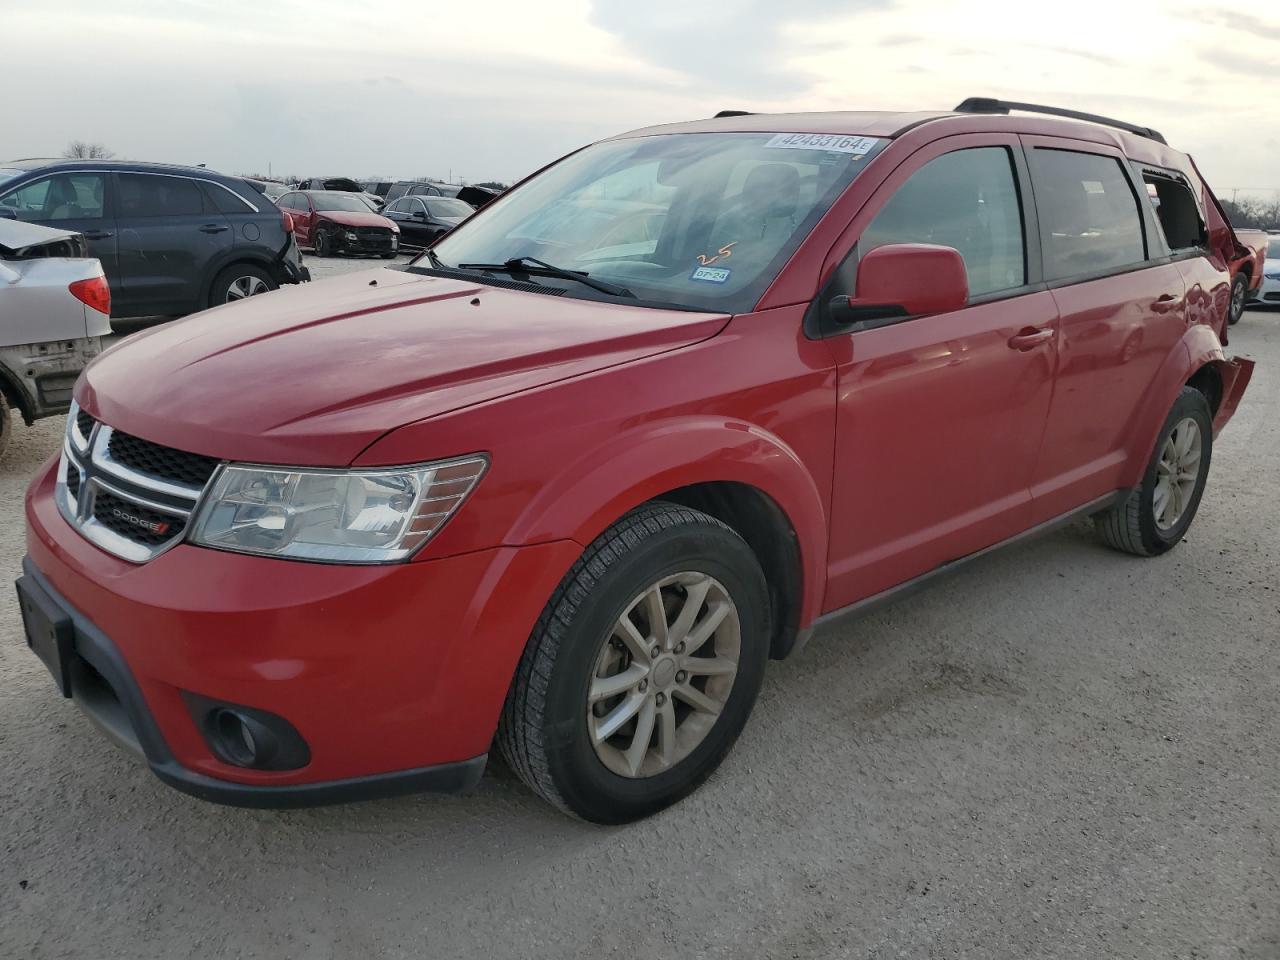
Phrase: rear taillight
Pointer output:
(93, 293)
(286, 221)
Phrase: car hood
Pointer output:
(312, 374)
(352, 218)
(17, 235)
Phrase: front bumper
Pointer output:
(371, 242)
(394, 676)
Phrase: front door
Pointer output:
(77, 200)
(940, 418)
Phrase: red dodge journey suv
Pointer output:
(640, 425)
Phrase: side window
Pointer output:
(224, 201)
(1089, 215)
(1177, 211)
(967, 200)
(146, 195)
(66, 196)
(393, 207)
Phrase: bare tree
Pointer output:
(80, 150)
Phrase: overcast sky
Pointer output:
(496, 88)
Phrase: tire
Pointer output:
(1239, 296)
(545, 732)
(1133, 525)
(388, 256)
(6, 424)
(321, 244)
(239, 282)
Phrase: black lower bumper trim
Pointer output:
(442, 778)
(103, 687)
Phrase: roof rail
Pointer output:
(992, 105)
(733, 113)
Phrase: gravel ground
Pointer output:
(1058, 752)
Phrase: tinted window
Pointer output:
(144, 195)
(67, 196)
(449, 207)
(422, 189)
(294, 201)
(396, 206)
(224, 201)
(967, 200)
(1177, 212)
(1089, 214)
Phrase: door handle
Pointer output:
(98, 235)
(1166, 303)
(212, 228)
(1029, 337)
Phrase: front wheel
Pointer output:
(1156, 515)
(1239, 294)
(642, 669)
(322, 244)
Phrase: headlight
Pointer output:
(352, 235)
(343, 516)
(394, 228)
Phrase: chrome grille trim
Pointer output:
(98, 473)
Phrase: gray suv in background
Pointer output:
(172, 240)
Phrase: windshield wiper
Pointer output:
(540, 268)
(435, 261)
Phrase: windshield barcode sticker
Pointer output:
(833, 142)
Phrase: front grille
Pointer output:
(165, 462)
(129, 496)
(1272, 297)
(133, 521)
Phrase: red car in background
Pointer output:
(339, 223)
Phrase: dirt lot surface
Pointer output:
(1057, 752)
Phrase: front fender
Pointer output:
(590, 493)
(1199, 346)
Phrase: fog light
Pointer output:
(351, 236)
(248, 737)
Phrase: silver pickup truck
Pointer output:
(55, 308)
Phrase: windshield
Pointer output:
(339, 201)
(448, 207)
(697, 220)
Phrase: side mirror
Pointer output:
(901, 280)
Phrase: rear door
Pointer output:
(75, 200)
(169, 238)
(1122, 304)
(939, 417)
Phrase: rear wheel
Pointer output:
(1239, 294)
(642, 669)
(1156, 515)
(239, 282)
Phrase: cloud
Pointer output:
(739, 50)
(1238, 62)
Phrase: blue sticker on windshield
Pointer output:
(711, 274)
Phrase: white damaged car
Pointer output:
(55, 308)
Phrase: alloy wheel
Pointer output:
(664, 675)
(242, 287)
(1177, 473)
(1237, 300)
